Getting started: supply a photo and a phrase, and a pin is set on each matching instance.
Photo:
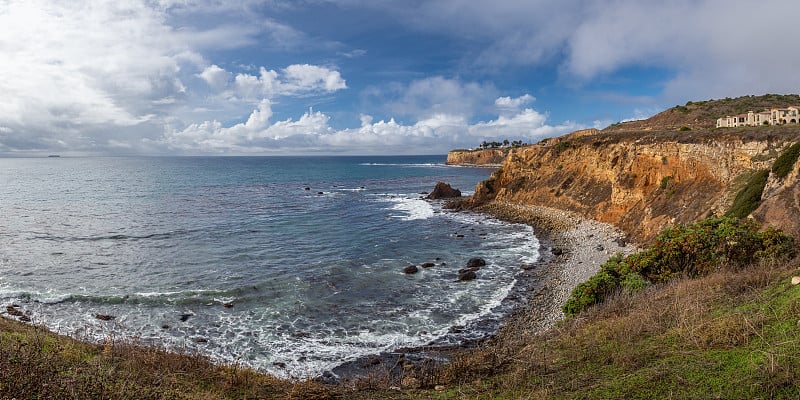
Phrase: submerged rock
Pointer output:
(104, 317)
(467, 275)
(476, 263)
(411, 269)
(428, 265)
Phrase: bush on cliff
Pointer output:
(683, 251)
(785, 162)
(749, 197)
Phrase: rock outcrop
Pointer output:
(643, 182)
(444, 191)
(482, 157)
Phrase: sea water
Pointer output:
(291, 265)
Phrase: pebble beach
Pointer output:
(578, 247)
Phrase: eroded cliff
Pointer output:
(487, 157)
(643, 182)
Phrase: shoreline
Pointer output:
(572, 249)
(579, 247)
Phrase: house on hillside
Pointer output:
(775, 116)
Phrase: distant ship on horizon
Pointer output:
(54, 156)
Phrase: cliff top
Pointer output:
(698, 115)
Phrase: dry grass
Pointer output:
(732, 334)
(685, 338)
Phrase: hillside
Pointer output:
(644, 176)
(703, 114)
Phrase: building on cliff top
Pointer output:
(775, 116)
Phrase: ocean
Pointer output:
(290, 265)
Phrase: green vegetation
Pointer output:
(665, 182)
(682, 109)
(563, 145)
(684, 129)
(691, 251)
(37, 364)
(730, 335)
(785, 162)
(749, 197)
(504, 144)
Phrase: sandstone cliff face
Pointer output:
(641, 182)
(781, 203)
(477, 157)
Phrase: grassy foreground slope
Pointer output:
(731, 334)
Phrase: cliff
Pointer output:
(488, 157)
(645, 181)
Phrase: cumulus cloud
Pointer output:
(95, 76)
(294, 79)
(507, 103)
(312, 133)
(216, 77)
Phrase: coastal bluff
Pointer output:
(479, 157)
(645, 181)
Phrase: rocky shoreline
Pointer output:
(579, 247)
(572, 250)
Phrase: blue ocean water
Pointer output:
(309, 252)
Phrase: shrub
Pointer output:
(785, 162)
(561, 146)
(685, 129)
(749, 197)
(665, 182)
(683, 251)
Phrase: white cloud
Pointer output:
(312, 133)
(513, 104)
(216, 77)
(303, 77)
(95, 76)
(703, 48)
(295, 79)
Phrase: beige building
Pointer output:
(775, 116)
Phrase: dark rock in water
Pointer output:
(281, 365)
(443, 264)
(444, 191)
(200, 340)
(476, 263)
(556, 251)
(467, 275)
(600, 247)
(459, 235)
(185, 317)
(228, 305)
(428, 265)
(308, 188)
(165, 326)
(328, 377)
(25, 318)
(411, 269)
(104, 317)
(320, 192)
(11, 310)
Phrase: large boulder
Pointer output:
(444, 191)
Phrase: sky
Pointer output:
(388, 77)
